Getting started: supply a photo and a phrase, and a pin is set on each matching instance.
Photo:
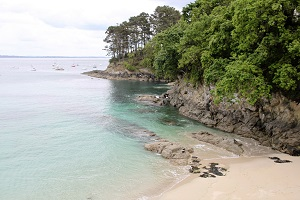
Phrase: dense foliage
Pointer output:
(241, 48)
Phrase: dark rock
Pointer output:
(214, 169)
(278, 160)
(274, 158)
(294, 151)
(282, 161)
(207, 175)
(274, 123)
(194, 169)
(211, 171)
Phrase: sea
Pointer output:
(67, 136)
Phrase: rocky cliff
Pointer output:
(274, 122)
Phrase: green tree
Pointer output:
(165, 54)
(163, 18)
(132, 36)
(241, 48)
(205, 46)
(145, 28)
(266, 34)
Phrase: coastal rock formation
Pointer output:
(118, 72)
(211, 170)
(278, 160)
(274, 122)
(177, 153)
(153, 99)
(227, 143)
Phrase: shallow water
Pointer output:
(65, 135)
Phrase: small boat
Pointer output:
(33, 68)
(54, 66)
(59, 68)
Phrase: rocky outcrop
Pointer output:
(274, 122)
(153, 99)
(230, 144)
(211, 170)
(175, 152)
(118, 72)
(278, 160)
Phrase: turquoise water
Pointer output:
(64, 135)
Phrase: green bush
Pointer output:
(130, 67)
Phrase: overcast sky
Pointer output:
(66, 27)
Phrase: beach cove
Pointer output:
(259, 173)
(70, 136)
(198, 100)
(65, 135)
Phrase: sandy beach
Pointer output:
(247, 178)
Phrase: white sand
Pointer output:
(246, 179)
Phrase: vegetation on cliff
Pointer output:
(241, 48)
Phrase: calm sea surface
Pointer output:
(64, 135)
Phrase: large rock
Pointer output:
(274, 123)
(230, 144)
(152, 99)
(177, 153)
